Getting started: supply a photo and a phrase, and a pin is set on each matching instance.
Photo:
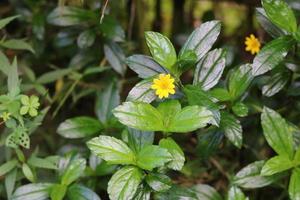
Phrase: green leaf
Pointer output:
(4, 63)
(240, 109)
(202, 39)
(280, 14)
(52, 76)
(13, 84)
(41, 163)
(106, 101)
(297, 158)
(236, 193)
(79, 192)
(276, 164)
(250, 176)
(220, 94)
(276, 83)
(208, 142)
(86, 39)
(161, 49)
(16, 44)
(69, 16)
(176, 152)
(209, 69)
(232, 129)
(79, 127)
(58, 192)
(112, 150)
(36, 191)
(7, 20)
(143, 193)
(28, 173)
(138, 139)
(74, 170)
(115, 57)
(271, 55)
(145, 66)
(267, 25)
(10, 181)
(277, 133)
(294, 185)
(141, 116)
(206, 192)
(239, 81)
(158, 182)
(187, 60)
(8, 166)
(177, 193)
(152, 156)
(124, 183)
(142, 92)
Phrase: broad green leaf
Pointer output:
(236, 193)
(79, 192)
(115, 57)
(186, 60)
(143, 193)
(86, 39)
(52, 76)
(267, 25)
(10, 181)
(161, 49)
(271, 55)
(69, 16)
(177, 193)
(79, 127)
(8, 166)
(28, 173)
(138, 115)
(106, 101)
(239, 81)
(209, 69)
(74, 170)
(276, 164)
(206, 192)
(168, 109)
(294, 185)
(176, 152)
(208, 142)
(277, 133)
(112, 150)
(13, 84)
(124, 183)
(138, 139)
(275, 83)
(145, 66)
(16, 44)
(58, 192)
(280, 14)
(158, 182)
(152, 156)
(202, 39)
(4, 63)
(41, 163)
(297, 158)
(250, 176)
(220, 94)
(142, 92)
(240, 109)
(35, 191)
(232, 129)
(7, 20)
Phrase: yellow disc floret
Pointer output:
(164, 85)
(252, 44)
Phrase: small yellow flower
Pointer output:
(164, 85)
(252, 44)
(5, 116)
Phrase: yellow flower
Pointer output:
(252, 44)
(5, 116)
(164, 85)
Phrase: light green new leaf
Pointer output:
(161, 49)
(58, 192)
(176, 152)
(152, 156)
(13, 84)
(276, 164)
(8, 166)
(79, 127)
(36, 191)
(280, 14)
(74, 170)
(297, 158)
(271, 55)
(112, 150)
(7, 20)
(294, 185)
(277, 133)
(124, 183)
(138, 115)
(28, 173)
(17, 44)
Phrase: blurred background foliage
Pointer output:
(80, 46)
